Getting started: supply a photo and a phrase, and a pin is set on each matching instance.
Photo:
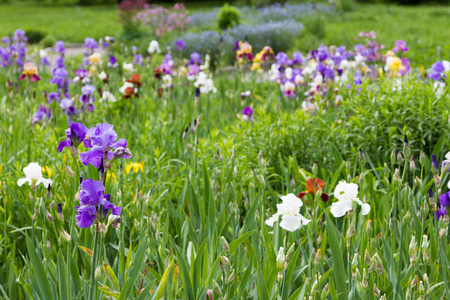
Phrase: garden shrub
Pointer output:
(228, 17)
(35, 36)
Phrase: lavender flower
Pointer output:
(437, 71)
(92, 200)
(102, 141)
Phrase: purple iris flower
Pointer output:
(407, 64)
(322, 53)
(92, 199)
(90, 43)
(444, 200)
(59, 47)
(328, 74)
(400, 45)
(6, 40)
(236, 46)
(357, 79)
(195, 58)
(138, 60)
(282, 58)
(102, 141)
(53, 97)
(297, 58)
(76, 134)
(41, 113)
(44, 61)
(113, 62)
(19, 34)
(180, 44)
(247, 113)
(437, 71)
(87, 94)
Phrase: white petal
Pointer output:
(292, 200)
(303, 219)
(346, 191)
(447, 156)
(290, 223)
(365, 208)
(272, 219)
(21, 181)
(46, 182)
(33, 171)
(338, 209)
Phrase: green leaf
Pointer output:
(39, 272)
(135, 268)
(338, 262)
(235, 244)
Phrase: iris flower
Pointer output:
(291, 219)
(102, 140)
(93, 200)
(76, 134)
(33, 175)
(346, 193)
(312, 186)
(444, 200)
(30, 71)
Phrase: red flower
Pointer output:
(312, 188)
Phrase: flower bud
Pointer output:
(406, 219)
(348, 165)
(399, 157)
(49, 217)
(223, 261)
(367, 257)
(386, 170)
(422, 159)
(209, 295)
(226, 247)
(315, 169)
(64, 236)
(281, 258)
(362, 157)
(69, 171)
(231, 277)
(49, 192)
(393, 157)
(412, 165)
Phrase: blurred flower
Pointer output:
(167, 81)
(33, 175)
(41, 113)
(128, 89)
(247, 114)
(205, 84)
(103, 76)
(153, 47)
(400, 45)
(180, 44)
(128, 67)
(346, 193)
(112, 63)
(30, 71)
(95, 58)
(135, 167)
(108, 97)
(291, 219)
(44, 59)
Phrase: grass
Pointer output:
(68, 23)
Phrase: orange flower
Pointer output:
(312, 186)
(135, 79)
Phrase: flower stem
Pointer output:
(93, 265)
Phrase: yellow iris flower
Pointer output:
(135, 166)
